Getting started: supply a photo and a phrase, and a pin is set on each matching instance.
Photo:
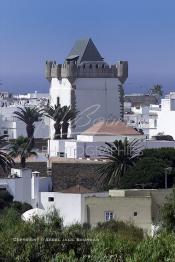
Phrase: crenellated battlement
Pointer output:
(72, 70)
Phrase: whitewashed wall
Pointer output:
(96, 99)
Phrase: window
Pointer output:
(50, 199)
(135, 214)
(5, 132)
(108, 215)
(60, 154)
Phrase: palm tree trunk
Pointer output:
(23, 161)
(65, 126)
(57, 127)
(30, 133)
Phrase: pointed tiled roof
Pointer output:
(113, 128)
(84, 50)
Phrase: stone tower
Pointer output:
(88, 84)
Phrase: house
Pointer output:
(88, 142)
(165, 117)
(25, 185)
(78, 204)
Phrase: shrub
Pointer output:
(125, 231)
(108, 247)
(167, 213)
(157, 249)
(21, 207)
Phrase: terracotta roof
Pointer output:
(78, 189)
(114, 128)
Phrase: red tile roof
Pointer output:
(113, 128)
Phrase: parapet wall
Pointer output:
(70, 69)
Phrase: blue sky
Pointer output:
(140, 31)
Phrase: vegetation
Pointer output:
(62, 117)
(6, 201)
(21, 147)
(29, 115)
(157, 90)
(119, 157)
(54, 112)
(168, 211)
(6, 162)
(112, 241)
(41, 241)
(149, 171)
(68, 115)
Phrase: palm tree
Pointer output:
(55, 113)
(68, 115)
(62, 117)
(21, 147)
(157, 90)
(119, 157)
(6, 161)
(29, 116)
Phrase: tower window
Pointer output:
(135, 214)
(96, 65)
(90, 66)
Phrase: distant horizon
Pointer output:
(33, 32)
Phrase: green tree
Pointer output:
(149, 172)
(157, 90)
(55, 113)
(29, 115)
(21, 147)
(62, 117)
(119, 157)
(6, 161)
(168, 213)
(157, 249)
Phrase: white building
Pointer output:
(25, 185)
(88, 142)
(79, 205)
(87, 84)
(165, 117)
(11, 126)
(141, 117)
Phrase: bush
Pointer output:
(125, 231)
(157, 249)
(167, 213)
(21, 207)
(108, 247)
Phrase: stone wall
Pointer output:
(36, 166)
(65, 175)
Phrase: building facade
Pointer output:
(87, 84)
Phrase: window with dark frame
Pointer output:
(108, 216)
(51, 199)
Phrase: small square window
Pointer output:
(60, 154)
(108, 215)
(135, 214)
(51, 199)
